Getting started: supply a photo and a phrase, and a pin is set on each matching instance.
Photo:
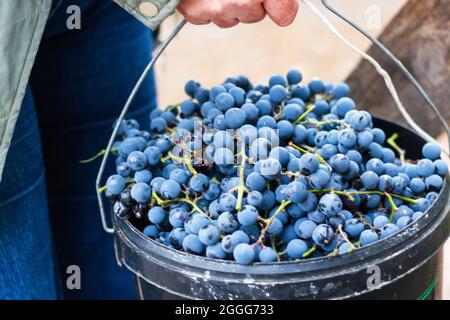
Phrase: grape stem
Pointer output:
(310, 251)
(393, 206)
(401, 152)
(98, 155)
(188, 164)
(307, 149)
(269, 221)
(241, 187)
(345, 238)
(304, 115)
(349, 193)
(162, 202)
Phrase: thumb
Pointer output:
(282, 12)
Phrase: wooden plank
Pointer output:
(419, 35)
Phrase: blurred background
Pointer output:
(208, 54)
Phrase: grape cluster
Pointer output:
(267, 173)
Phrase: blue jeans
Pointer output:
(48, 210)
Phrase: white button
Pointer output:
(148, 9)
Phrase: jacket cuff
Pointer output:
(150, 12)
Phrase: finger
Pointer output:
(192, 17)
(255, 14)
(225, 22)
(282, 12)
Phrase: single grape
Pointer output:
(141, 192)
(192, 244)
(170, 189)
(115, 184)
(243, 254)
(296, 248)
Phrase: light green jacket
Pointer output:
(22, 24)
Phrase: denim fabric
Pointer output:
(79, 83)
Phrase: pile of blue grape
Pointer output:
(269, 173)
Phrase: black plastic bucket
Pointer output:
(407, 265)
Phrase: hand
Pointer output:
(282, 12)
(228, 13)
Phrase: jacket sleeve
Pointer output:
(150, 12)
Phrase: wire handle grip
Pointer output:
(130, 99)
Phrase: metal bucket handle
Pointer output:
(180, 26)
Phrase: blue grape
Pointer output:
(255, 198)
(208, 235)
(196, 222)
(157, 215)
(215, 251)
(227, 222)
(275, 228)
(187, 107)
(354, 227)
(330, 204)
(158, 125)
(267, 255)
(441, 167)
(316, 86)
(322, 234)
(388, 230)
(251, 112)
(425, 168)
(248, 215)
(227, 202)
(141, 192)
(243, 254)
(153, 155)
(136, 160)
(380, 221)
(151, 231)
(308, 163)
(434, 182)
(304, 229)
(170, 189)
(367, 237)
(278, 93)
(294, 77)
(199, 183)
(296, 192)
(270, 168)
(431, 151)
(296, 248)
(234, 118)
(224, 101)
(192, 244)
(115, 184)
(369, 180)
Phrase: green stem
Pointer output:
(188, 163)
(304, 115)
(98, 155)
(401, 152)
(310, 251)
(393, 206)
(307, 149)
(162, 202)
(241, 188)
(348, 193)
(269, 221)
(101, 189)
(345, 238)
